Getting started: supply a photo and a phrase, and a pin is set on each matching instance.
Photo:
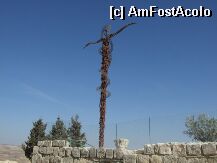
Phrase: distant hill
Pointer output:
(12, 153)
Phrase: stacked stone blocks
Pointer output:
(59, 151)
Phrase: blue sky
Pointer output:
(162, 67)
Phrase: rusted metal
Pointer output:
(105, 64)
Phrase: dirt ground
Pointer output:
(12, 153)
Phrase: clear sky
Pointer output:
(162, 67)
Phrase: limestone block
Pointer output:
(156, 159)
(101, 153)
(60, 143)
(76, 152)
(42, 150)
(68, 151)
(212, 160)
(56, 151)
(81, 160)
(50, 159)
(109, 153)
(57, 159)
(92, 152)
(169, 159)
(193, 160)
(182, 160)
(55, 143)
(121, 143)
(40, 143)
(129, 158)
(149, 149)
(37, 158)
(47, 143)
(203, 160)
(194, 149)
(84, 152)
(67, 160)
(142, 158)
(46, 159)
(179, 149)
(197, 160)
(118, 154)
(49, 150)
(156, 148)
(76, 161)
(62, 152)
(163, 149)
(209, 149)
(35, 150)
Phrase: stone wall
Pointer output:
(58, 151)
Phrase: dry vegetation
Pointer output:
(12, 153)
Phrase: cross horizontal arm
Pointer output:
(93, 42)
(120, 30)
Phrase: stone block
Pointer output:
(193, 160)
(35, 150)
(101, 153)
(47, 143)
(49, 150)
(68, 151)
(76, 161)
(40, 143)
(57, 159)
(92, 152)
(170, 159)
(149, 149)
(118, 154)
(212, 160)
(60, 143)
(179, 149)
(182, 160)
(109, 153)
(62, 152)
(56, 151)
(197, 160)
(37, 158)
(82, 160)
(142, 158)
(209, 149)
(76, 152)
(129, 158)
(121, 143)
(51, 159)
(163, 149)
(193, 149)
(84, 152)
(46, 159)
(156, 159)
(42, 150)
(203, 160)
(67, 160)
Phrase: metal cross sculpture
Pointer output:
(105, 51)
